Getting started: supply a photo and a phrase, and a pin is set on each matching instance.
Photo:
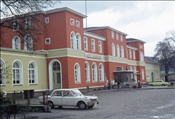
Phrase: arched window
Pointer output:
(122, 51)
(78, 41)
(94, 72)
(101, 72)
(28, 43)
(2, 72)
(87, 72)
(16, 43)
(17, 73)
(118, 50)
(113, 49)
(72, 40)
(32, 70)
(77, 73)
(143, 75)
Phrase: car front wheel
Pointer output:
(50, 104)
(81, 105)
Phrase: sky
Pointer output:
(149, 21)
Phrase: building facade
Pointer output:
(70, 56)
(152, 69)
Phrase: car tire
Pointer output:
(151, 85)
(163, 84)
(50, 104)
(81, 105)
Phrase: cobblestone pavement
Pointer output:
(120, 104)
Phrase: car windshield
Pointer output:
(77, 92)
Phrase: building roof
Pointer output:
(104, 27)
(65, 9)
(151, 60)
(128, 40)
(46, 12)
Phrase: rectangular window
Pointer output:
(93, 45)
(112, 34)
(77, 23)
(46, 20)
(116, 36)
(134, 57)
(119, 68)
(85, 43)
(121, 37)
(27, 22)
(130, 53)
(15, 25)
(99, 47)
(47, 41)
(72, 22)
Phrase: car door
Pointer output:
(67, 98)
(57, 97)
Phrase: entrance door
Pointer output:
(56, 76)
(152, 76)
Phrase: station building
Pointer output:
(69, 55)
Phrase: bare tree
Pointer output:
(171, 36)
(165, 52)
(22, 16)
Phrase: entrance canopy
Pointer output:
(125, 77)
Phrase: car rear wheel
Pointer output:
(81, 105)
(163, 84)
(50, 104)
(151, 85)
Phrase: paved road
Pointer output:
(123, 104)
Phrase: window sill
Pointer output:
(77, 82)
(17, 84)
(3, 84)
(33, 84)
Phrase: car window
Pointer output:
(67, 93)
(57, 93)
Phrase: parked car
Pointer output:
(70, 97)
(159, 83)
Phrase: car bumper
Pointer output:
(92, 103)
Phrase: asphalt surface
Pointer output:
(120, 104)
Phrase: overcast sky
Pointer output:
(147, 21)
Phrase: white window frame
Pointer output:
(47, 41)
(78, 41)
(35, 73)
(121, 37)
(130, 53)
(87, 72)
(100, 46)
(77, 23)
(94, 72)
(112, 34)
(72, 22)
(122, 52)
(113, 49)
(16, 23)
(2, 72)
(26, 43)
(27, 22)
(118, 50)
(85, 43)
(16, 44)
(77, 74)
(101, 72)
(72, 40)
(117, 36)
(46, 20)
(14, 75)
(134, 57)
(93, 45)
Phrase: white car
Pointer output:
(70, 97)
